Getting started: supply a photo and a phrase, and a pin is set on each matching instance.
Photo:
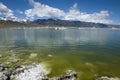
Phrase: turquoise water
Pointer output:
(90, 52)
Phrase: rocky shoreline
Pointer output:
(36, 71)
(31, 72)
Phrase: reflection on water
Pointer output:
(51, 37)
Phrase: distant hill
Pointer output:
(55, 23)
(9, 23)
(67, 23)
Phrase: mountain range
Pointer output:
(54, 23)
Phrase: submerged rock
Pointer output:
(3, 76)
(0, 56)
(107, 78)
(15, 60)
(30, 72)
(3, 67)
(4, 72)
(49, 55)
(32, 55)
(70, 75)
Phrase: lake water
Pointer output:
(90, 52)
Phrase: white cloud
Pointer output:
(75, 14)
(8, 14)
(5, 11)
(42, 10)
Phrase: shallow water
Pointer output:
(90, 52)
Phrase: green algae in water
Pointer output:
(83, 62)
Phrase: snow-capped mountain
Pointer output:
(14, 19)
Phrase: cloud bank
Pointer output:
(75, 14)
(42, 10)
(4, 10)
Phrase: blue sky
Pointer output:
(99, 11)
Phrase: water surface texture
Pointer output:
(90, 52)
